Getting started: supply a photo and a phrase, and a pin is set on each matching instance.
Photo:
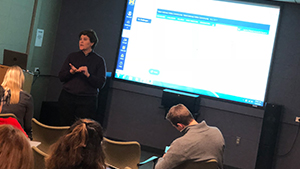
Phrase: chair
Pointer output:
(39, 158)
(123, 154)
(6, 115)
(45, 134)
(28, 81)
(208, 164)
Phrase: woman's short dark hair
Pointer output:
(79, 148)
(92, 35)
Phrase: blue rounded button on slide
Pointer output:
(154, 72)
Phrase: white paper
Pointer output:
(34, 143)
(39, 37)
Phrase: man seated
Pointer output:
(200, 142)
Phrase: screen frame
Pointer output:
(278, 4)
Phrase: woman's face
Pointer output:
(84, 43)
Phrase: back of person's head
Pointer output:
(179, 114)
(92, 35)
(15, 150)
(13, 81)
(80, 148)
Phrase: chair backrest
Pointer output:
(122, 154)
(6, 115)
(47, 135)
(208, 164)
(28, 81)
(39, 158)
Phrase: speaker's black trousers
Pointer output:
(73, 107)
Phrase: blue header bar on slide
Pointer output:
(212, 21)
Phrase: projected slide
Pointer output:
(221, 49)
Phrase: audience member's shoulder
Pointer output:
(180, 142)
(25, 95)
(215, 128)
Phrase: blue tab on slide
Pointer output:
(143, 20)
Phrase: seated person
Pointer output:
(21, 103)
(12, 121)
(15, 150)
(80, 148)
(200, 142)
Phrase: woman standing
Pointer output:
(21, 103)
(83, 74)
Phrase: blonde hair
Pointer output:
(13, 81)
(15, 150)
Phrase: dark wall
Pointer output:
(134, 112)
(134, 115)
(105, 17)
(284, 85)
